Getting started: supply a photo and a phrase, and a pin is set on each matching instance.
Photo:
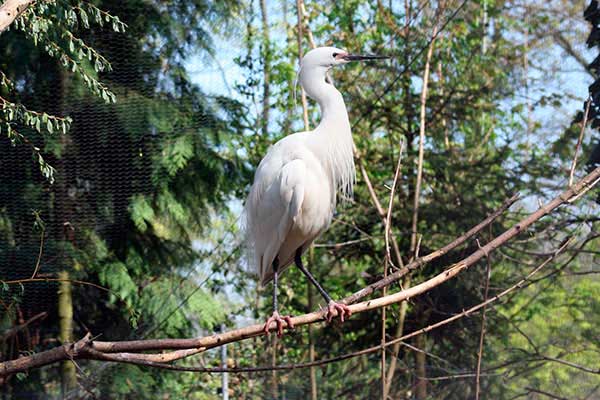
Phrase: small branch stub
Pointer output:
(11, 10)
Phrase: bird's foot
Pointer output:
(337, 309)
(279, 320)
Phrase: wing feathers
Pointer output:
(274, 204)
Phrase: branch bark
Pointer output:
(79, 348)
(88, 349)
(11, 10)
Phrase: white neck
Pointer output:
(334, 129)
(333, 108)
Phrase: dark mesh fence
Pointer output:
(112, 155)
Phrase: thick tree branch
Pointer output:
(97, 355)
(89, 349)
(11, 10)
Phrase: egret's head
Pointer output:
(317, 62)
(327, 57)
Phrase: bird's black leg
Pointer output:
(333, 308)
(276, 317)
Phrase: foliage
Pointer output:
(49, 26)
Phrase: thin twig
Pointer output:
(579, 140)
(16, 329)
(547, 394)
(482, 333)
(33, 280)
(388, 260)
(572, 365)
(388, 218)
(39, 258)
(341, 244)
(378, 206)
(457, 376)
(419, 262)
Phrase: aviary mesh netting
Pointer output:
(118, 163)
(135, 237)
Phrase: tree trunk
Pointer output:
(396, 346)
(266, 68)
(65, 315)
(66, 228)
(311, 339)
(420, 361)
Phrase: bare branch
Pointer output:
(546, 394)
(388, 218)
(419, 262)
(16, 329)
(564, 43)
(87, 348)
(482, 333)
(580, 139)
(82, 348)
(572, 365)
(41, 251)
(377, 205)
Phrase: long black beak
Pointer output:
(358, 57)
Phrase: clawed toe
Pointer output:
(279, 320)
(340, 309)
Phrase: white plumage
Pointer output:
(293, 197)
(295, 188)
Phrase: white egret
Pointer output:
(293, 197)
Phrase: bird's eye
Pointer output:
(335, 55)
